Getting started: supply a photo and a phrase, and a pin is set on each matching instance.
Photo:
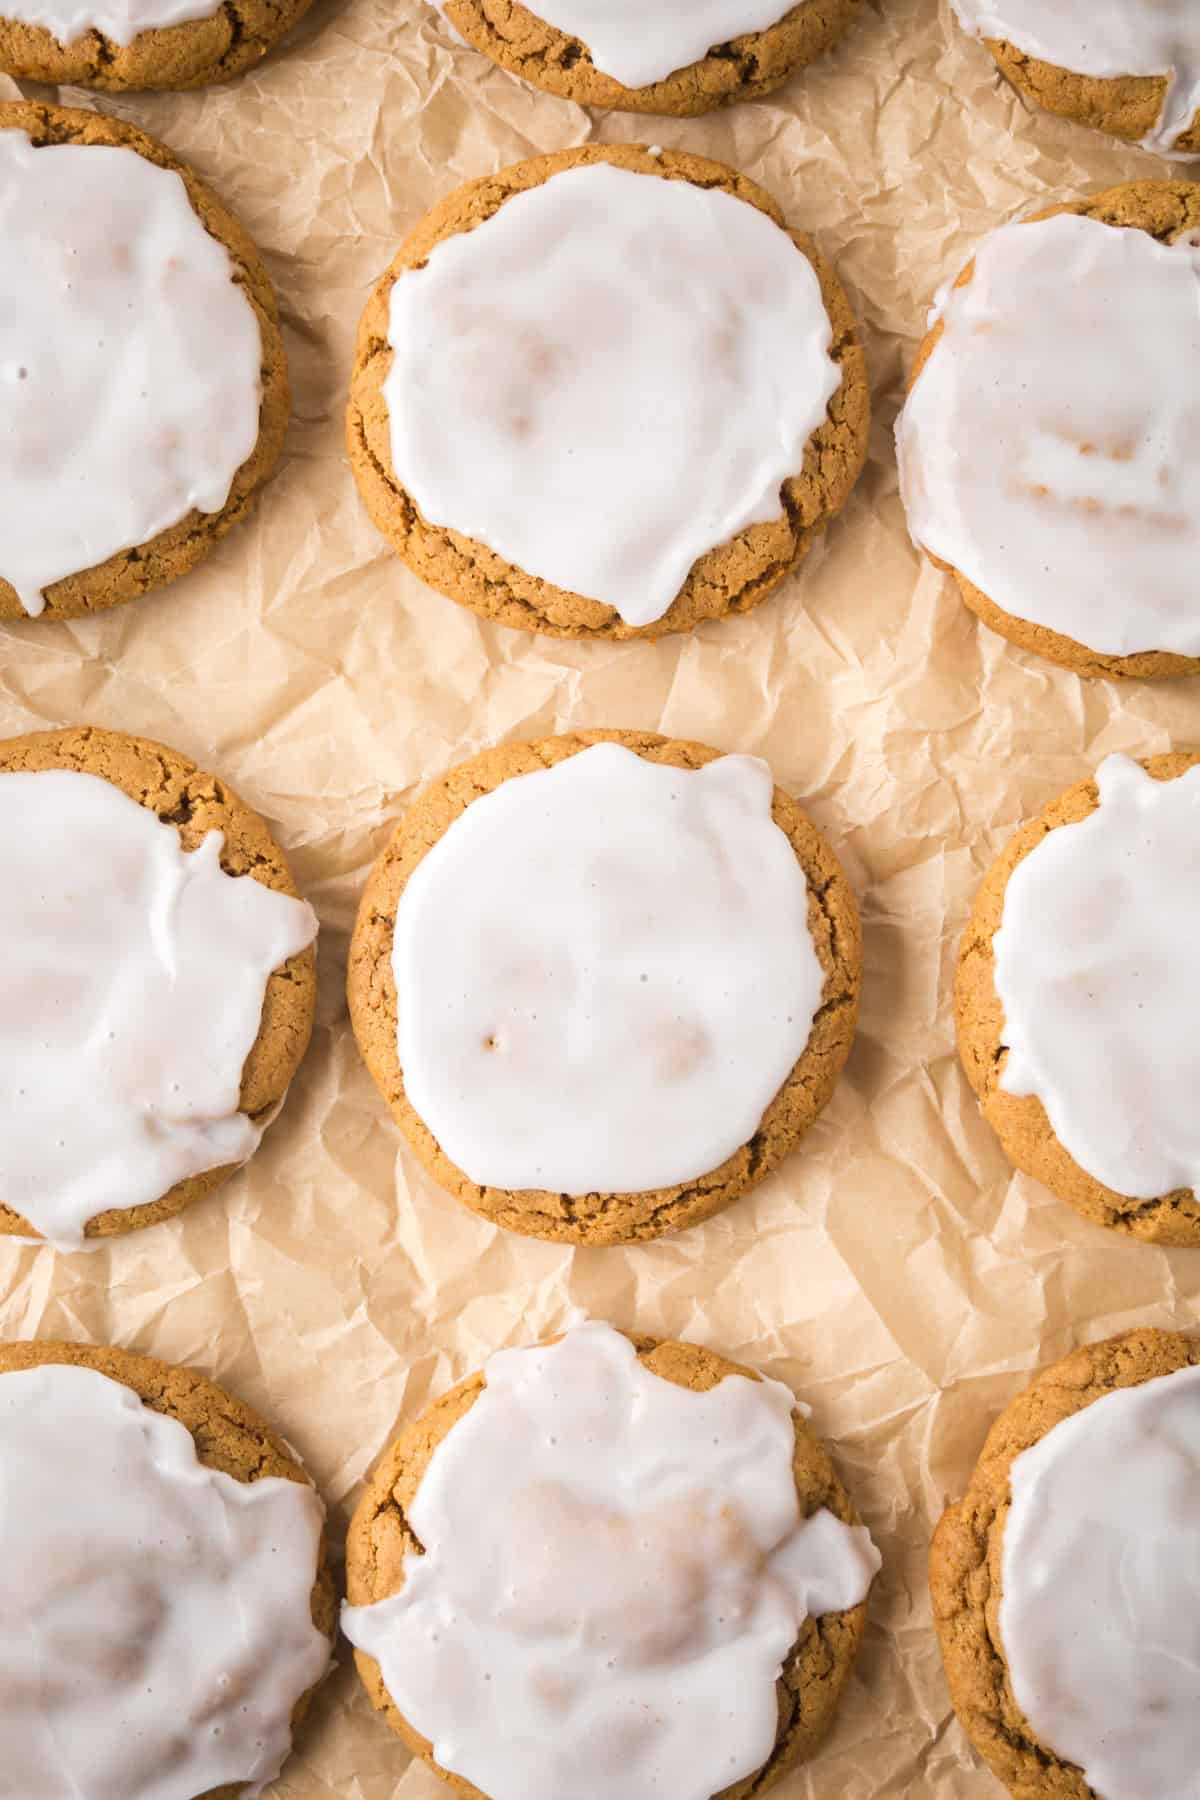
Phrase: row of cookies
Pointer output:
(604, 1566)
(605, 983)
(587, 457)
(1127, 69)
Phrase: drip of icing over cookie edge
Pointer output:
(611, 1624)
(1100, 1610)
(1107, 39)
(156, 1630)
(612, 375)
(131, 993)
(130, 360)
(1050, 447)
(640, 42)
(1097, 973)
(604, 974)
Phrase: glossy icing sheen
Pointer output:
(1050, 448)
(613, 375)
(605, 974)
(118, 20)
(639, 42)
(156, 1630)
(129, 360)
(1100, 1614)
(610, 1623)
(1106, 38)
(131, 992)
(1095, 970)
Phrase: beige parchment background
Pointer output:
(894, 1273)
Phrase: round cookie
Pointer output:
(731, 578)
(225, 43)
(605, 1218)
(228, 1437)
(818, 1666)
(966, 1567)
(177, 792)
(756, 63)
(1020, 1121)
(1166, 211)
(175, 550)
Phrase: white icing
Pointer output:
(1100, 1613)
(1050, 447)
(155, 1631)
(119, 20)
(610, 1623)
(129, 360)
(131, 992)
(639, 42)
(1097, 970)
(1108, 39)
(605, 974)
(611, 376)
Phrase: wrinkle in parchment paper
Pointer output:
(894, 1271)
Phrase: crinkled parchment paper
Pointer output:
(894, 1272)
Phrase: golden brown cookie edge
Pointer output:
(228, 1435)
(467, 572)
(820, 1662)
(1155, 201)
(289, 1004)
(605, 1219)
(965, 1564)
(140, 568)
(1020, 1121)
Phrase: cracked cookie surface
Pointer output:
(817, 1667)
(742, 69)
(1020, 1121)
(235, 36)
(1165, 210)
(733, 577)
(180, 794)
(141, 567)
(228, 1436)
(1125, 106)
(605, 1218)
(966, 1567)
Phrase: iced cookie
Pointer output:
(605, 982)
(156, 989)
(606, 393)
(167, 1605)
(142, 374)
(655, 56)
(1050, 446)
(1066, 1585)
(662, 1596)
(1076, 995)
(1127, 67)
(122, 44)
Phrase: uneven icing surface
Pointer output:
(1050, 447)
(1097, 970)
(639, 42)
(1100, 1614)
(131, 993)
(129, 360)
(604, 974)
(612, 375)
(1107, 39)
(610, 1625)
(118, 20)
(155, 1629)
